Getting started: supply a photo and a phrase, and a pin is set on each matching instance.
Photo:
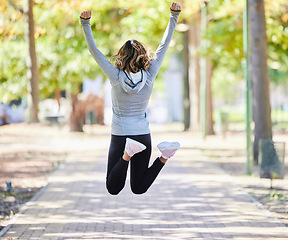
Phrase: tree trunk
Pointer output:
(194, 72)
(259, 74)
(32, 69)
(186, 80)
(77, 116)
(57, 97)
(209, 101)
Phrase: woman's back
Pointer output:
(130, 94)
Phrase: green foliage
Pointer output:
(224, 38)
(62, 55)
(275, 195)
(12, 70)
(64, 61)
(277, 33)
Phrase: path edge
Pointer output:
(252, 199)
(23, 209)
(33, 199)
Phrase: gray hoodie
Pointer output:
(130, 92)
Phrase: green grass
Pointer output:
(278, 116)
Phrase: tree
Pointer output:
(31, 60)
(206, 76)
(186, 79)
(259, 74)
(191, 60)
(194, 61)
(32, 69)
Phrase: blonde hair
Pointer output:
(132, 57)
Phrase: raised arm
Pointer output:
(155, 65)
(109, 69)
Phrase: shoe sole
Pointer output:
(168, 146)
(142, 146)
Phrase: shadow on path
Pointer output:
(191, 199)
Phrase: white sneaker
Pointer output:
(132, 147)
(168, 149)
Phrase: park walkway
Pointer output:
(191, 199)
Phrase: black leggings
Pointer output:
(141, 177)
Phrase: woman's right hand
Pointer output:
(86, 14)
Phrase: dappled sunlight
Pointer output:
(191, 198)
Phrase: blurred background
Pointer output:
(60, 82)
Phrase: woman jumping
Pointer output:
(132, 80)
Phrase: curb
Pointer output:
(252, 199)
(23, 209)
(33, 199)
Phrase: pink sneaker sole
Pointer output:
(168, 149)
(132, 147)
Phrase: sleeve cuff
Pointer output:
(84, 21)
(85, 18)
(174, 11)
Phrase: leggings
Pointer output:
(141, 175)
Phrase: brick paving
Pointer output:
(191, 199)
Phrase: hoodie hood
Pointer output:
(133, 82)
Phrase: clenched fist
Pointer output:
(175, 7)
(86, 14)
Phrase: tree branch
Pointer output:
(13, 4)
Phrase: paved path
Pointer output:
(191, 199)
